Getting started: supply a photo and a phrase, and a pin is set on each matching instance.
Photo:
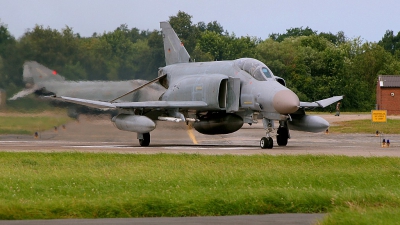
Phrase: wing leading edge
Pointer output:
(133, 105)
(321, 103)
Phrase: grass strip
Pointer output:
(362, 215)
(29, 124)
(84, 185)
(366, 126)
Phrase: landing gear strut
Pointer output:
(144, 139)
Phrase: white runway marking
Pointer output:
(96, 146)
(165, 147)
(205, 148)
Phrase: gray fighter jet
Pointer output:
(43, 81)
(214, 97)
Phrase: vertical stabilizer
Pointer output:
(174, 50)
(34, 75)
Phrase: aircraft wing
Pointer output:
(85, 102)
(161, 104)
(132, 105)
(321, 103)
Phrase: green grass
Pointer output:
(29, 104)
(28, 124)
(376, 215)
(366, 126)
(84, 185)
(30, 114)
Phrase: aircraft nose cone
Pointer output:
(286, 102)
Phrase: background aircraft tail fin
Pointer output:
(34, 75)
(174, 50)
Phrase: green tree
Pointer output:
(10, 61)
(312, 65)
(50, 47)
(227, 47)
(74, 71)
(6, 39)
(186, 31)
(214, 44)
(292, 32)
(156, 57)
(337, 39)
(213, 26)
(390, 42)
(93, 58)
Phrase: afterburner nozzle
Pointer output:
(286, 102)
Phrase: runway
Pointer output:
(99, 135)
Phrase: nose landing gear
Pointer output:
(267, 142)
(282, 134)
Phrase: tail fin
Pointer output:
(33, 76)
(35, 73)
(174, 50)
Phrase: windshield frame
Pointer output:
(255, 68)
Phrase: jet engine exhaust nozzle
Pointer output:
(286, 102)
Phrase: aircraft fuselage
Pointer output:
(208, 81)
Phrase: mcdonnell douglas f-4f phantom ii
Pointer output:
(215, 98)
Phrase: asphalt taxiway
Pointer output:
(93, 134)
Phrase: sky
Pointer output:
(368, 20)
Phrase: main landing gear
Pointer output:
(144, 139)
(282, 134)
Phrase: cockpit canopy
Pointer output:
(255, 68)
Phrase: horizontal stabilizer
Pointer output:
(321, 103)
(22, 93)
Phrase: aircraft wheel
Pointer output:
(73, 112)
(146, 140)
(282, 137)
(270, 143)
(266, 142)
(263, 142)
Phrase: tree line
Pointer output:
(314, 65)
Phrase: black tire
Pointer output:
(73, 113)
(146, 140)
(263, 142)
(266, 142)
(282, 137)
(270, 143)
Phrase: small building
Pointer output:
(388, 94)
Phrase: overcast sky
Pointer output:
(368, 19)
